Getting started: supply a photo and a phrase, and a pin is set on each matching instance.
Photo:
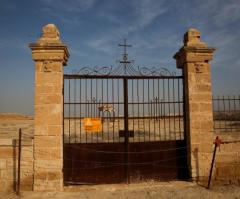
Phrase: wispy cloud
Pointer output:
(146, 11)
(69, 5)
(228, 13)
(217, 13)
(142, 14)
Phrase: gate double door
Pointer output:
(138, 133)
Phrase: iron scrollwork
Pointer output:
(154, 71)
(105, 70)
(129, 71)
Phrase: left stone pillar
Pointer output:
(50, 55)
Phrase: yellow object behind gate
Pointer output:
(92, 124)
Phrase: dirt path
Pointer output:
(172, 190)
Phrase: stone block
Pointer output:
(55, 175)
(42, 89)
(55, 130)
(6, 152)
(54, 119)
(3, 175)
(48, 175)
(48, 165)
(6, 142)
(11, 173)
(55, 109)
(53, 78)
(3, 186)
(53, 98)
(40, 129)
(27, 163)
(26, 174)
(47, 141)
(11, 161)
(225, 172)
(48, 153)
(27, 185)
(204, 88)
(227, 158)
(44, 185)
(27, 152)
(3, 164)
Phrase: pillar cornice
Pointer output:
(188, 54)
(51, 52)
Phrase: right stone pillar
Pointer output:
(193, 58)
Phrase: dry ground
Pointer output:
(9, 128)
(166, 190)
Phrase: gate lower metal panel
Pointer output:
(100, 163)
(157, 161)
(105, 163)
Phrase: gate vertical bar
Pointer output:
(19, 161)
(125, 88)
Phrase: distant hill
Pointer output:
(14, 116)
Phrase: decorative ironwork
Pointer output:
(125, 71)
(125, 68)
(154, 71)
(104, 70)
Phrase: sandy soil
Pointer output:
(166, 190)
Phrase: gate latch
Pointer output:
(123, 133)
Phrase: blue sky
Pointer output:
(92, 30)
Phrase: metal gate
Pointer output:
(123, 125)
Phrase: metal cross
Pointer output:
(125, 60)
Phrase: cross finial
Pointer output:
(125, 55)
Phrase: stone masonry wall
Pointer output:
(9, 133)
(227, 163)
(9, 164)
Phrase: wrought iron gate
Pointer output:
(137, 117)
(142, 128)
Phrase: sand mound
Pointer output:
(14, 116)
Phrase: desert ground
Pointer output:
(165, 190)
(9, 125)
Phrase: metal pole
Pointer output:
(125, 87)
(217, 143)
(19, 160)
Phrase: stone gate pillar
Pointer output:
(193, 58)
(50, 55)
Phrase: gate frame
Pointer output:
(86, 73)
(50, 55)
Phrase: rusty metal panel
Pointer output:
(100, 163)
(157, 161)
